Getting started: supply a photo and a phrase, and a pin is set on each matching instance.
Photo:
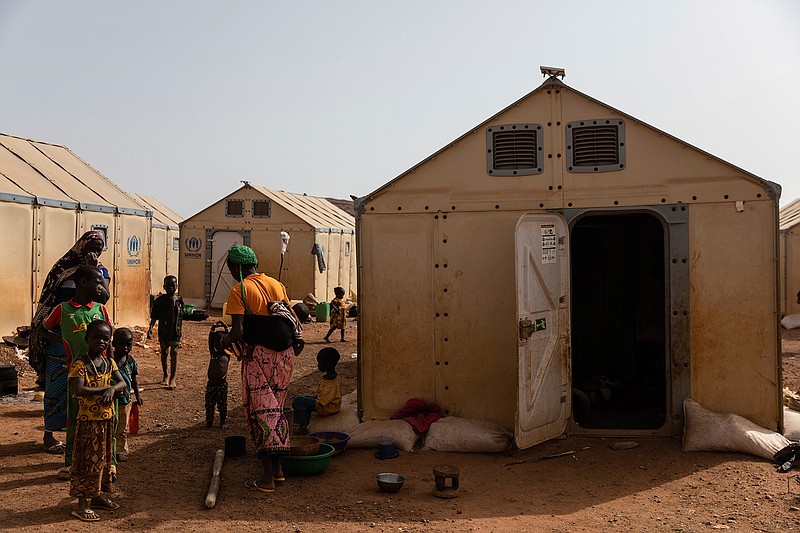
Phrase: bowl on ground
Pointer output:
(307, 465)
(337, 439)
(389, 481)
(303, 445)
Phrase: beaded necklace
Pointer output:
(102, 365)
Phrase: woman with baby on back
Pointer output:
(271, 336)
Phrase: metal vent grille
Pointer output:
(262, 208)
(234, 208)
(596, 145)
(514, 149)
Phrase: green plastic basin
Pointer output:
(308, 465)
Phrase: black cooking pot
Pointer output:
(235, 446)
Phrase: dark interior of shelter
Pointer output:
(619, 334)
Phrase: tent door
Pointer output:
(221, 280)
(621, 331)
(542, 263)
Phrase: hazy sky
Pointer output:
(181, 100)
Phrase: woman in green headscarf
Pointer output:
(263, 320)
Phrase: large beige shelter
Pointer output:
(564, 266)
(790, 256)
(165, 242)
(48, 198)
(256, 216)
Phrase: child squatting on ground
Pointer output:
(168, 312)
(91, 377)
(338, 313)
(328, 400)
(129, 370)
(217, 386)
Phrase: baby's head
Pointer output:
(327, 359)
(301, 311)
(122, 342)
(339, 292)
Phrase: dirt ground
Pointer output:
(654, 487)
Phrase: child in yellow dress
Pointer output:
(90, 378)
(338, 313)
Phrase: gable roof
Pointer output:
(345, 205)
(49, 174)
(162, 215)
(554, 82)
(317, 212)
(789, 215)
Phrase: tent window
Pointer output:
(514, 150)
(234, 208)
(596, 145)
(176, 243)
(262, 208)
(102, 229)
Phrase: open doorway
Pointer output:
(221, 280)
(619, 328)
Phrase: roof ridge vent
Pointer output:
(553, 72)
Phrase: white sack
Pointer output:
(706, 431)
(343, 421)
(454, 434)
(791, 424)
(790, 321)
(369, 434)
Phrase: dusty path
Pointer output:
(654, 487)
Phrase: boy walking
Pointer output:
(168, 312)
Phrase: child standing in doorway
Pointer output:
(128, 369)
(328, 400)
(338, 313)
(168, 312)
(90, 377)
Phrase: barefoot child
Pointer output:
(90, 378)
(122, 343)
(217, 386)
(328, 400)
(338, 313)
(168, 312)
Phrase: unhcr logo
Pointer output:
(193, 245)
(134, 248)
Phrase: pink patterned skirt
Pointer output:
(265, 380)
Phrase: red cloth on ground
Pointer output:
(419, 414)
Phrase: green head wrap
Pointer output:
(242, 255)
